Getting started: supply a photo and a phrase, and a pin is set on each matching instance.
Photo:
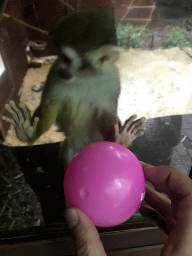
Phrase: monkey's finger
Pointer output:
(133, 137)
(12, 112)
(30, 132)
(130, 119)
(128, 122)
(119, 124)
(9, 120)
(17, 112)
(140, 125)
(116, 130)
(139, 134)
(136, 125)
(140, 121)
(35, 122)
(134, 128)
(25, 122)
(26, 125)
(127, 141)
(130, 125)
(143, 119)
(26, 112)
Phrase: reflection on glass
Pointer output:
(2, 67)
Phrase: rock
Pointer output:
(188, 50)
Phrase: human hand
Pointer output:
(174, 215)
(86, 237)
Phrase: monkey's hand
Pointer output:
(21, 121)
(129, 132)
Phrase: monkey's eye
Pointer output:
(103, 59)
(66, 60)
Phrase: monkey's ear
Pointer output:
(113, 52)
(68, 28)
(105, 53)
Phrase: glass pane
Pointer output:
(153, 80)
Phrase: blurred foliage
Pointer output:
(186, 23)
(178, 38)
(131, 37)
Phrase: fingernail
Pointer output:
(71, 217)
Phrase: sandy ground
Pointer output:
(153, 83)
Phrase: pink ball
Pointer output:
(106, 181)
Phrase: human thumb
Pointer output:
(85, 234)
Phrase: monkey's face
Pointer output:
(69, 63)
(73, 63)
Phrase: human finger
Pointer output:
(161, 206)
(175, 184)
(85, 234)
(178, 187)
(155, 217)
(158, 201)
(168, 179)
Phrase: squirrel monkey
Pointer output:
(82, 88)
